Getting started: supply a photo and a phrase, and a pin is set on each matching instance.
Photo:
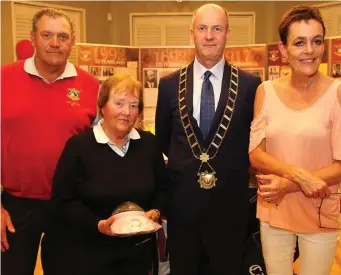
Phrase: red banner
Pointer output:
(274, 56)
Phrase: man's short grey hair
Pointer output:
(225, 11)
(54, 13)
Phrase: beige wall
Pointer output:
(268, 15)
(97, 25)
(121, 11)
(99, 30)
(7, 54)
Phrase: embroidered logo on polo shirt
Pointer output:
(73, 94)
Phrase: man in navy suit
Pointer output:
(203, 124)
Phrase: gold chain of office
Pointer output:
(207, 179)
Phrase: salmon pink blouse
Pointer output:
(308, 138)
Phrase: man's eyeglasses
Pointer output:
(325, 219)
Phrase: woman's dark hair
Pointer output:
(297, 14)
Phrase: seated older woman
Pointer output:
(98, 170)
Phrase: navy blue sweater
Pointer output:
(91, 180)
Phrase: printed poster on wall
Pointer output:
(103, 61)
(278, 65)
(250, 58)
(156, 63)
(335, 57)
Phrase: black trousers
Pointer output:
(69, 254)
(29, 218)
(205, 250)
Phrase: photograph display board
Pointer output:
(335, 59)
(277, 64)
(150, 64)
(250, 58)
(105, 60)
(156, 63)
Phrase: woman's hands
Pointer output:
(312, 186)
(104, 226)
(153, 214)
(272, 188)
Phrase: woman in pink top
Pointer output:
(295, 145)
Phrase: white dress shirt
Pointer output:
(101, 137)
(198, 77)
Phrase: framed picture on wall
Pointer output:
(256, 71)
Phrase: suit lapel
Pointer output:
(189, 102)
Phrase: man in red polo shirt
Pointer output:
(45, 100)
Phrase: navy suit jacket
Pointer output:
(226, 204)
